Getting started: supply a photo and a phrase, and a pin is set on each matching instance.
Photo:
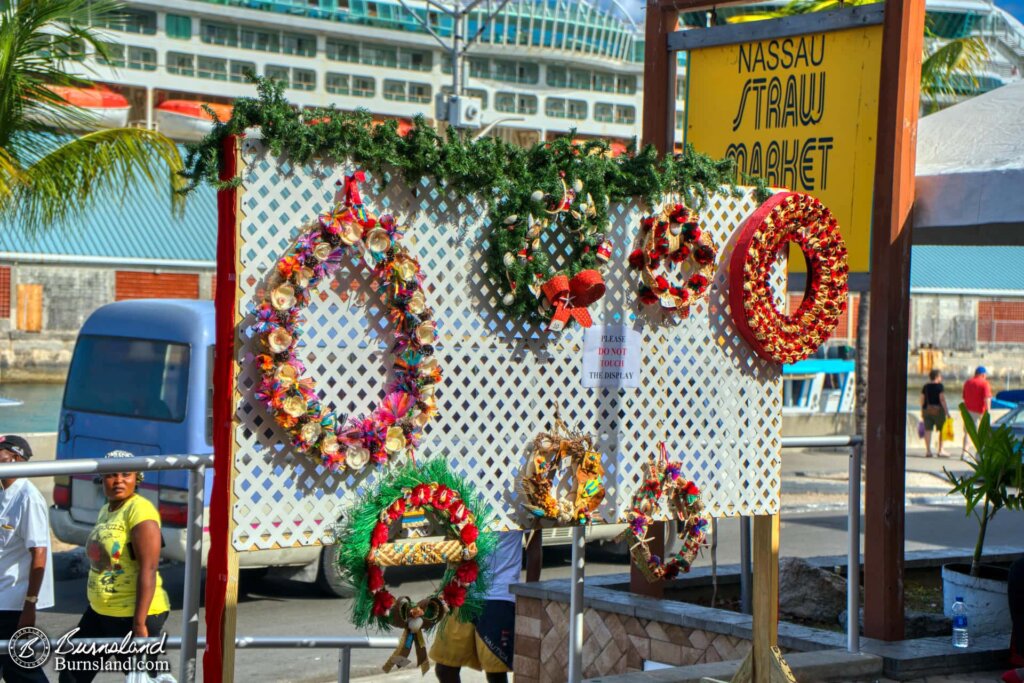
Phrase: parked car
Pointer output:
(1014, 400)
(141, 380)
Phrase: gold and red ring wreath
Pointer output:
(409, 402)
(365, 550)
(802, 219)
(666, 241)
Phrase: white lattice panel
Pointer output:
(716, 404)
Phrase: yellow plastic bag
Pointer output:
(947, 429)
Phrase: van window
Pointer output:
(142, 378)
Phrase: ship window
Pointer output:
(303, 79)
(115, 55)
(300, 44)
(179, 26)
(394, 90)
(363, 86)
(560, 108)
(337, 84)
(625, 114)
(604, 112)
(527, 73)
(265, 41)
(626, 85)
(512, 103)
(419, 92)
(219, 34)
(556, 76)
(212, 67)
(181, 64)
(681, 89)
(142, 58)
(415, 60)
(576, 109)
(341, 51)
(378, 55)
(240, 71)
(679, 120)
(130, 21)
(579, 79)
(277, 73)
(604, 82)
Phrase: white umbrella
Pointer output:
(970, 169)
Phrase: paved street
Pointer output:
(813, 523)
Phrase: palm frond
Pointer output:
(64, 180)
(954, 63)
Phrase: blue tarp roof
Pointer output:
(136, 224)
(967, 269)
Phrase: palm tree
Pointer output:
(948, 65)
(45, 179)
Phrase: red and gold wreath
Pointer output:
(368, 549)
(788, 217)
(667, 242)
(663, 478)
(409, 402)
(537, 482)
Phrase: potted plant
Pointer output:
(993, 483)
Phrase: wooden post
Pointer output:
(534, 555)
(222, 562)
(766, 594)
(885, 437)
(659, 78)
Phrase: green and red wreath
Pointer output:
(366, 549)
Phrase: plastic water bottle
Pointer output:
(960, 638)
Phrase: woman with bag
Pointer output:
(933, 411)
(125, 591)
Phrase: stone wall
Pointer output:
(613, 643)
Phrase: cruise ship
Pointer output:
(538, 68)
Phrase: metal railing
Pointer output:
(190, 641)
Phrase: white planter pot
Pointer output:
(987, 607)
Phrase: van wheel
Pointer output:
(328, 576)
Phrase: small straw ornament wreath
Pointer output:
(664, 478)
(788, 217)
(365, 550)
(528, 282)
(409, 402)
(550, 449)
(667, 241)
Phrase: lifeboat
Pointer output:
(188, 120)
(108, 109)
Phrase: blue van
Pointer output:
(141, 380)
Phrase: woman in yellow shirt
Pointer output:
(125, 591)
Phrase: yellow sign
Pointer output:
(800, 112)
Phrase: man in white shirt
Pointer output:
(26, 582)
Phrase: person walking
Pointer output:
(978, 399)
(125, 591)
(933, 410)
(26, 580)
(486, 644)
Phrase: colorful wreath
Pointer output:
(365, 551)
(664, 478)
(521, 268)
(291, 397)
(537, 481)
(788, 217)
(667, 241)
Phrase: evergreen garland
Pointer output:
(502, 175)
(354, 537)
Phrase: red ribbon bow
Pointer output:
(571, 298)
(352, 196)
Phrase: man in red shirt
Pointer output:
(977, 398)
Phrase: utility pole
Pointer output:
(459, 112)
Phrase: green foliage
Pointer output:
(502, 175)
(995, 479)
(353, 537)
(45, 180)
